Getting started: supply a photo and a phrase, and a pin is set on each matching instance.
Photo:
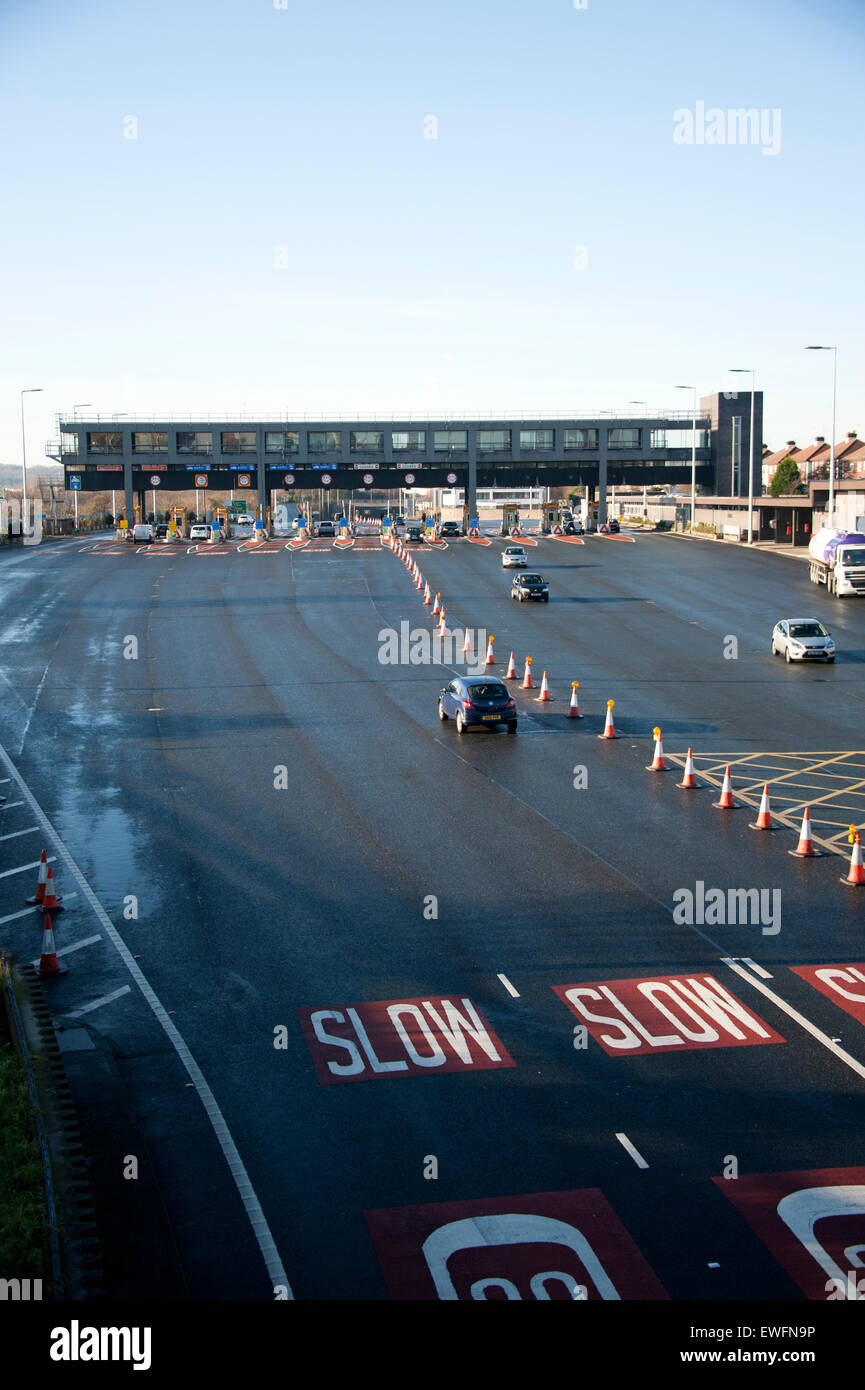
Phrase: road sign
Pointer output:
(289, 480)
(155, 480)
(473, 523)
(326, 479)
(409, 479)
(75, 482)
(369, 479)
(451, 477)
(201, 480)
(244, 480)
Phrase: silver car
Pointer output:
(802, 639)
(513, 556)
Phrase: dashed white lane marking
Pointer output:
(10, 805)
(803, 1022)
(246, 1191)
(29, 911)
(629, 1148)
(31, 830)
(508, 986)
(757, 969)
(22, 868)
(99, 1003)
(76, 946)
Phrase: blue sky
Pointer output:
(280, 236)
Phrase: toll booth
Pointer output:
(177, 520)
(220, 517)
(552, 515)
(510, 520)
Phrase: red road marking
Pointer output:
(400, 1037)
(478, 540)
(604, 536)
(843, 984)
(663, 1013)
(569, 540)
(812, 1222)
(541, 1245)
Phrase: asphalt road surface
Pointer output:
(396, 1039)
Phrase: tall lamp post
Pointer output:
(739, 371)
(693, 454)
(813, 347)
(27, 391)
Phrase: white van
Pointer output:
(143, 531)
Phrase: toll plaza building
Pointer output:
(136, 456)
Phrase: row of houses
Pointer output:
(813, 460)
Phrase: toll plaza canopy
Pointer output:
(134, 456)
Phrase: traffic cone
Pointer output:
(490, 661)
(418, 583)
(36, 900)
(856, 874)
(48, 962)
(527, 675)
(511, 672)
(688, 777)
(805, 848)
(442, 628)
(574, 709)
(51, 903)
(427, 596)
(764, 817)
(609, 726)
(657, 764)
(467, 644)
(545, 689)
(726, 802)
(436, 605)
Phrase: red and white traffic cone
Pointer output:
(805, 848)
(419, 581)
(36, 900)
(436, 605)
(527, 675)
(442, 629)
(657, 764)
(689, 779)
(609, 726)
(511, 672)
(545, 689)
(427, 596)
(725, 801)
(490, 658)
(574, 707)
(51, 903)
(856, 874)
(467, 644)
(48, 962)
(764, 816)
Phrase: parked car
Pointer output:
(199, 531)
(573, 527)
(478, 700)
(802, 639)
(161, 530)
(609, 527)
(530, 586)
(450, 528)
(325, 528)
(513, 556)
(143, 531)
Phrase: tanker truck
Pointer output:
(838, 561)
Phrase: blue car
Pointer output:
(473, 700)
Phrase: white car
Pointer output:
(199, 531)
(802, 639)
(143, 531)
(513, 557)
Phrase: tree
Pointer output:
(787, 478)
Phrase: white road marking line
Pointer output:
(76, 946)
(99, 1003)
(252, 1206)
(508, 986)
(757, 969)
(28, 911)
(629, 1148)
(10, 805)
(803, 1022)
(15, 833)
(22, 868)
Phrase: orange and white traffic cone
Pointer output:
(48, 962)
(36, 900)
(51, 903)
(726, 802)
(467, 644)
(427, 596)
(689, 779)
(490, 661)
(574, 707)
(527, 675)
(856, 874)
(436, 605)
(511, 672)
(657, 764)
(764, 816)
(545, 689)
(609, 726)
(419, 581)
(805, 848)
(442, 629)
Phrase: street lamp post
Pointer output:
(813, 347)
(27, 391)
(693, 454)
(745, 370)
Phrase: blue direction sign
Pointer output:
(75, 482)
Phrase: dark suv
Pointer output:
(450, 528)
(528, 586)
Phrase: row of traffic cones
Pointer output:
(46, 900)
